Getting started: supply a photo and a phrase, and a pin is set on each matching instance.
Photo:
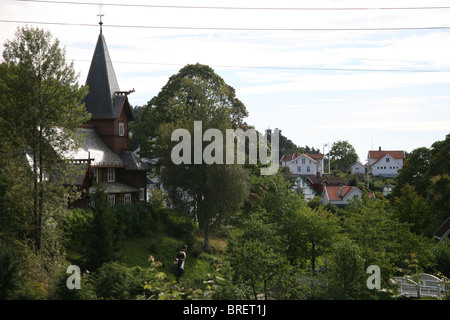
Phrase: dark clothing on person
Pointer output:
(178, 268)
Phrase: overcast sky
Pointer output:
(373, 76)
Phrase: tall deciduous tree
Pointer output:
(41, 111)
(414, 172)
(310, 234)
(195, 93)
(343, 155)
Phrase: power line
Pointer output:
(236, 8)
(280, 67)
(225, 28)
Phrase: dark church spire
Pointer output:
(102, 82)
(100, 15)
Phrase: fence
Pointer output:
(429, 286)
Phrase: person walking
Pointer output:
(179, 267)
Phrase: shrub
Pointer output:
(10, 273)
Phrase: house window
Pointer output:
(303, 160)
(299, 169)
(308, 169)
(387, 159)
(95, 173)
(111, 175)
(141, 194)
(127, 198)
(121, 129)
(112, 199)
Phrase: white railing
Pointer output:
(429, 286)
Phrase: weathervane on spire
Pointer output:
(100, 15)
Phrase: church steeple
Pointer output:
(100, 15)
(102, 83)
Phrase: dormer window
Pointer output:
(121, 129)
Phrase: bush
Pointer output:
(138, 219)
(60, 291)
(10, 273)
(113, 281)
(76, 229)
(178, 224)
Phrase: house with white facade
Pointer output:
(357, 168)
(340, 195)
(302, 186)
(305, 164)
(385, 163)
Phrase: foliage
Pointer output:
(40, 83)
(346, 271)
(427, 170)
(411, 208)
(310, 234)
(257, 265)
(195, 93)
(102, 239)
(442, 257)
(11, 277)
(115, 281)
(343, 155)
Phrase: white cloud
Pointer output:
(333, 103)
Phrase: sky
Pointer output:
(373, 73)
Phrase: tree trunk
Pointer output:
(41, 193)
(313, 259)
(205, 215)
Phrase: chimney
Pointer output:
(340, 191)
(379, 148)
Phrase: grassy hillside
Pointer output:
(135, 251)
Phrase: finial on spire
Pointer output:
(100, 15)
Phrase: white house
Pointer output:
(303, 186)
(340, 195)
(304, 164)
(357, 168)
(385, 163)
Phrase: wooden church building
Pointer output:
(105, 152)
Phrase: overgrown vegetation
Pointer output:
(268, 244)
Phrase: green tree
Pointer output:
(439, 179)
(213, 191)
(441, 252)
(343, 155)
(382, 238)
(256, 264)
(414, 172)
(11, 277)
(273, 194)
(310, 234)
(411, 208)
(346, 271)
(43, 86)
(101, 242)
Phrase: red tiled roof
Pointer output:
(377, 154)
(338, 192)
(289, 157)
(315, 156)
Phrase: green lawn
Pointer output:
(135, 251)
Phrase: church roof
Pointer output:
(94, 147)
(101, 100)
